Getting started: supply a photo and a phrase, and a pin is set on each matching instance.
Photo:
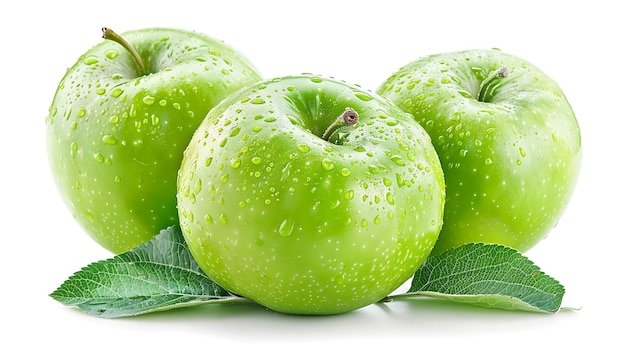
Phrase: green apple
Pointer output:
(309, 195)
(121, 119)
(507, 138)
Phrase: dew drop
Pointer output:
(522, 152)
(363, 96)
(223, 218)
(327, 164)
(116, 92)
(390, 198)
(90, 60)
(488, 161)
(111, 54)
(224, 178)
(397, 160)
(197, 187)
(316, 79)
(349, 195)
(81, 113)
(148, 100)
(303, 148)
(114, 119)
(257, 129)
(387, 181)
(98, 157)
(345, 172)
(256, 160)
(364, 223)
(208, 161)
(73, 149)
(377, 219)
(117, 76)
(235, 163)
(257, 101)
(109, 139)
(286, 227)
(100, 91)
(235, 131)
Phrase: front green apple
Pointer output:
(310, 196)
(118, 127)
(507, 138)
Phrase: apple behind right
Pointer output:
(507, 138)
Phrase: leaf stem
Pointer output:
(108, 33)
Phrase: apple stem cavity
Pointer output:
(348, 118)
(494, 76)
(108, 33)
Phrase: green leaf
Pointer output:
(156, 276)
(487, 275)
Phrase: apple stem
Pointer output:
(349, 118)
(108, 33)
(493, 76)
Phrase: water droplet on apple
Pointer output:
(397, 160)
(73, 149)
(303, 148)
(208, 219)
(235, 163)
(349, 195)
(109, 139)
(345, 172)
(224, 178)
(488, 161)
(90, 60)
(390, 198)
(377, 219)
(197, 187)
(117, 76)
(116, 92)
(223, 218)
(364, 223)
(111, 54)
(148, 100)
(257, 129)
(100, 91)
(257, 101)
(81, 113)
(256, 160)
(316, 79)
(286, 227)
(98, 157)
(363, 96)
(327, 164)
(522, 152)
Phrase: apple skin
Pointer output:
(511, 155)
(116, 136)
(303, 224)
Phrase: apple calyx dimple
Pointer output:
(494, 76)
(348, 118)
(108, 33)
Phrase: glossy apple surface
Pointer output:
(508, 141)
(116, 132)
(281, 204)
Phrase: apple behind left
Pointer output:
(119, 122)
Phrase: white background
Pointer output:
(580, 45)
